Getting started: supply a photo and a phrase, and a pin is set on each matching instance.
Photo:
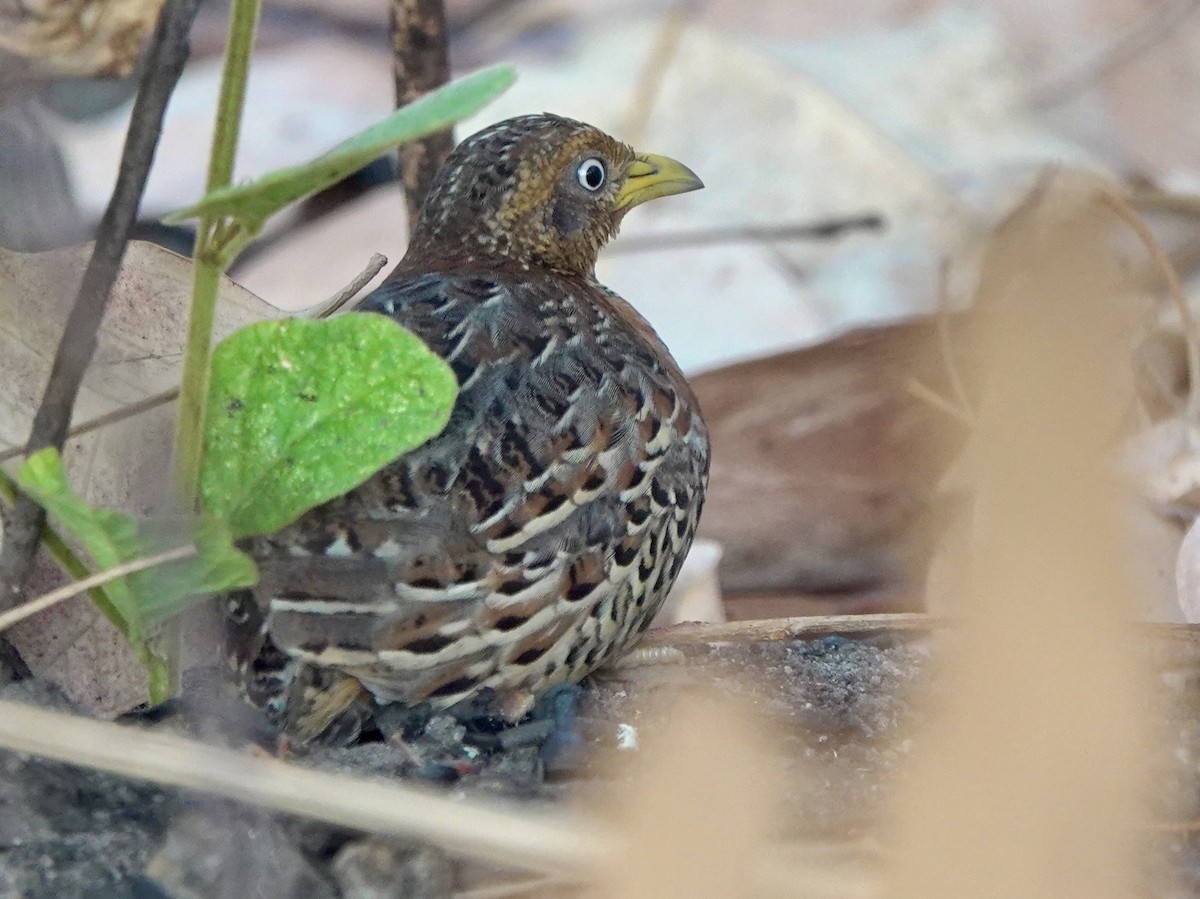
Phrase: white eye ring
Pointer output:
(591, 174)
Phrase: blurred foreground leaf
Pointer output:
(139, 600)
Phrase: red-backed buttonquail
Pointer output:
(537, 536)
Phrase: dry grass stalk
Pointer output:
(54, 597)
(537, 839)
(1191, 331)
(799, 628)
(1027, 782)
(654, 70)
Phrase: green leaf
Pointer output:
(252, 204)
(167, 590)
(145, 597)
(300, 412)
(109, 538)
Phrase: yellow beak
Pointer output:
(649, 177)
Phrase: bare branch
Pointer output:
(164, 62)
(420, 64)
(347, 293)
(829, 229)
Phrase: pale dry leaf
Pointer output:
(696, 594)
(124, 465)
(77, 38)
(1155, 543)
(1187, 574)
(773, 146)
(1164, 462)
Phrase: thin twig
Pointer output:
(915, 388)
(538, 839)
(420, 63)
(791, 628)
(27, 609)
(1152, 28)
(946, 343)
(654, 70)
(108, 418)
(1191, 332)
(347, 293)
(164, 61)
(828, 229)
(514, 889)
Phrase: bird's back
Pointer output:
(532, 540)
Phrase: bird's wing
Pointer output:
(538, 524)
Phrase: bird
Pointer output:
(535, 538)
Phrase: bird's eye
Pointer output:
(590, 174)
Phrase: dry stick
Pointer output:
(1153, 28)
(347, 293)
(537, 839)
(790, 628)
(827, 229)
(927, 394)
(824, 625)
(654, 70)
(27, 609)
(163, 63)
(420, 64)
(92, 424)
(946, 343)
(1190, 330)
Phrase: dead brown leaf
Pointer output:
(822, 459)
(77, 38)
(125, 465)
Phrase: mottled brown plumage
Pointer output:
(535, 538)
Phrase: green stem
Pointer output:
(193, 394)
(161, 656)
(189, 432)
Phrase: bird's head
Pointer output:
(538, 190)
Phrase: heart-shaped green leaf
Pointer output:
(300, 412)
